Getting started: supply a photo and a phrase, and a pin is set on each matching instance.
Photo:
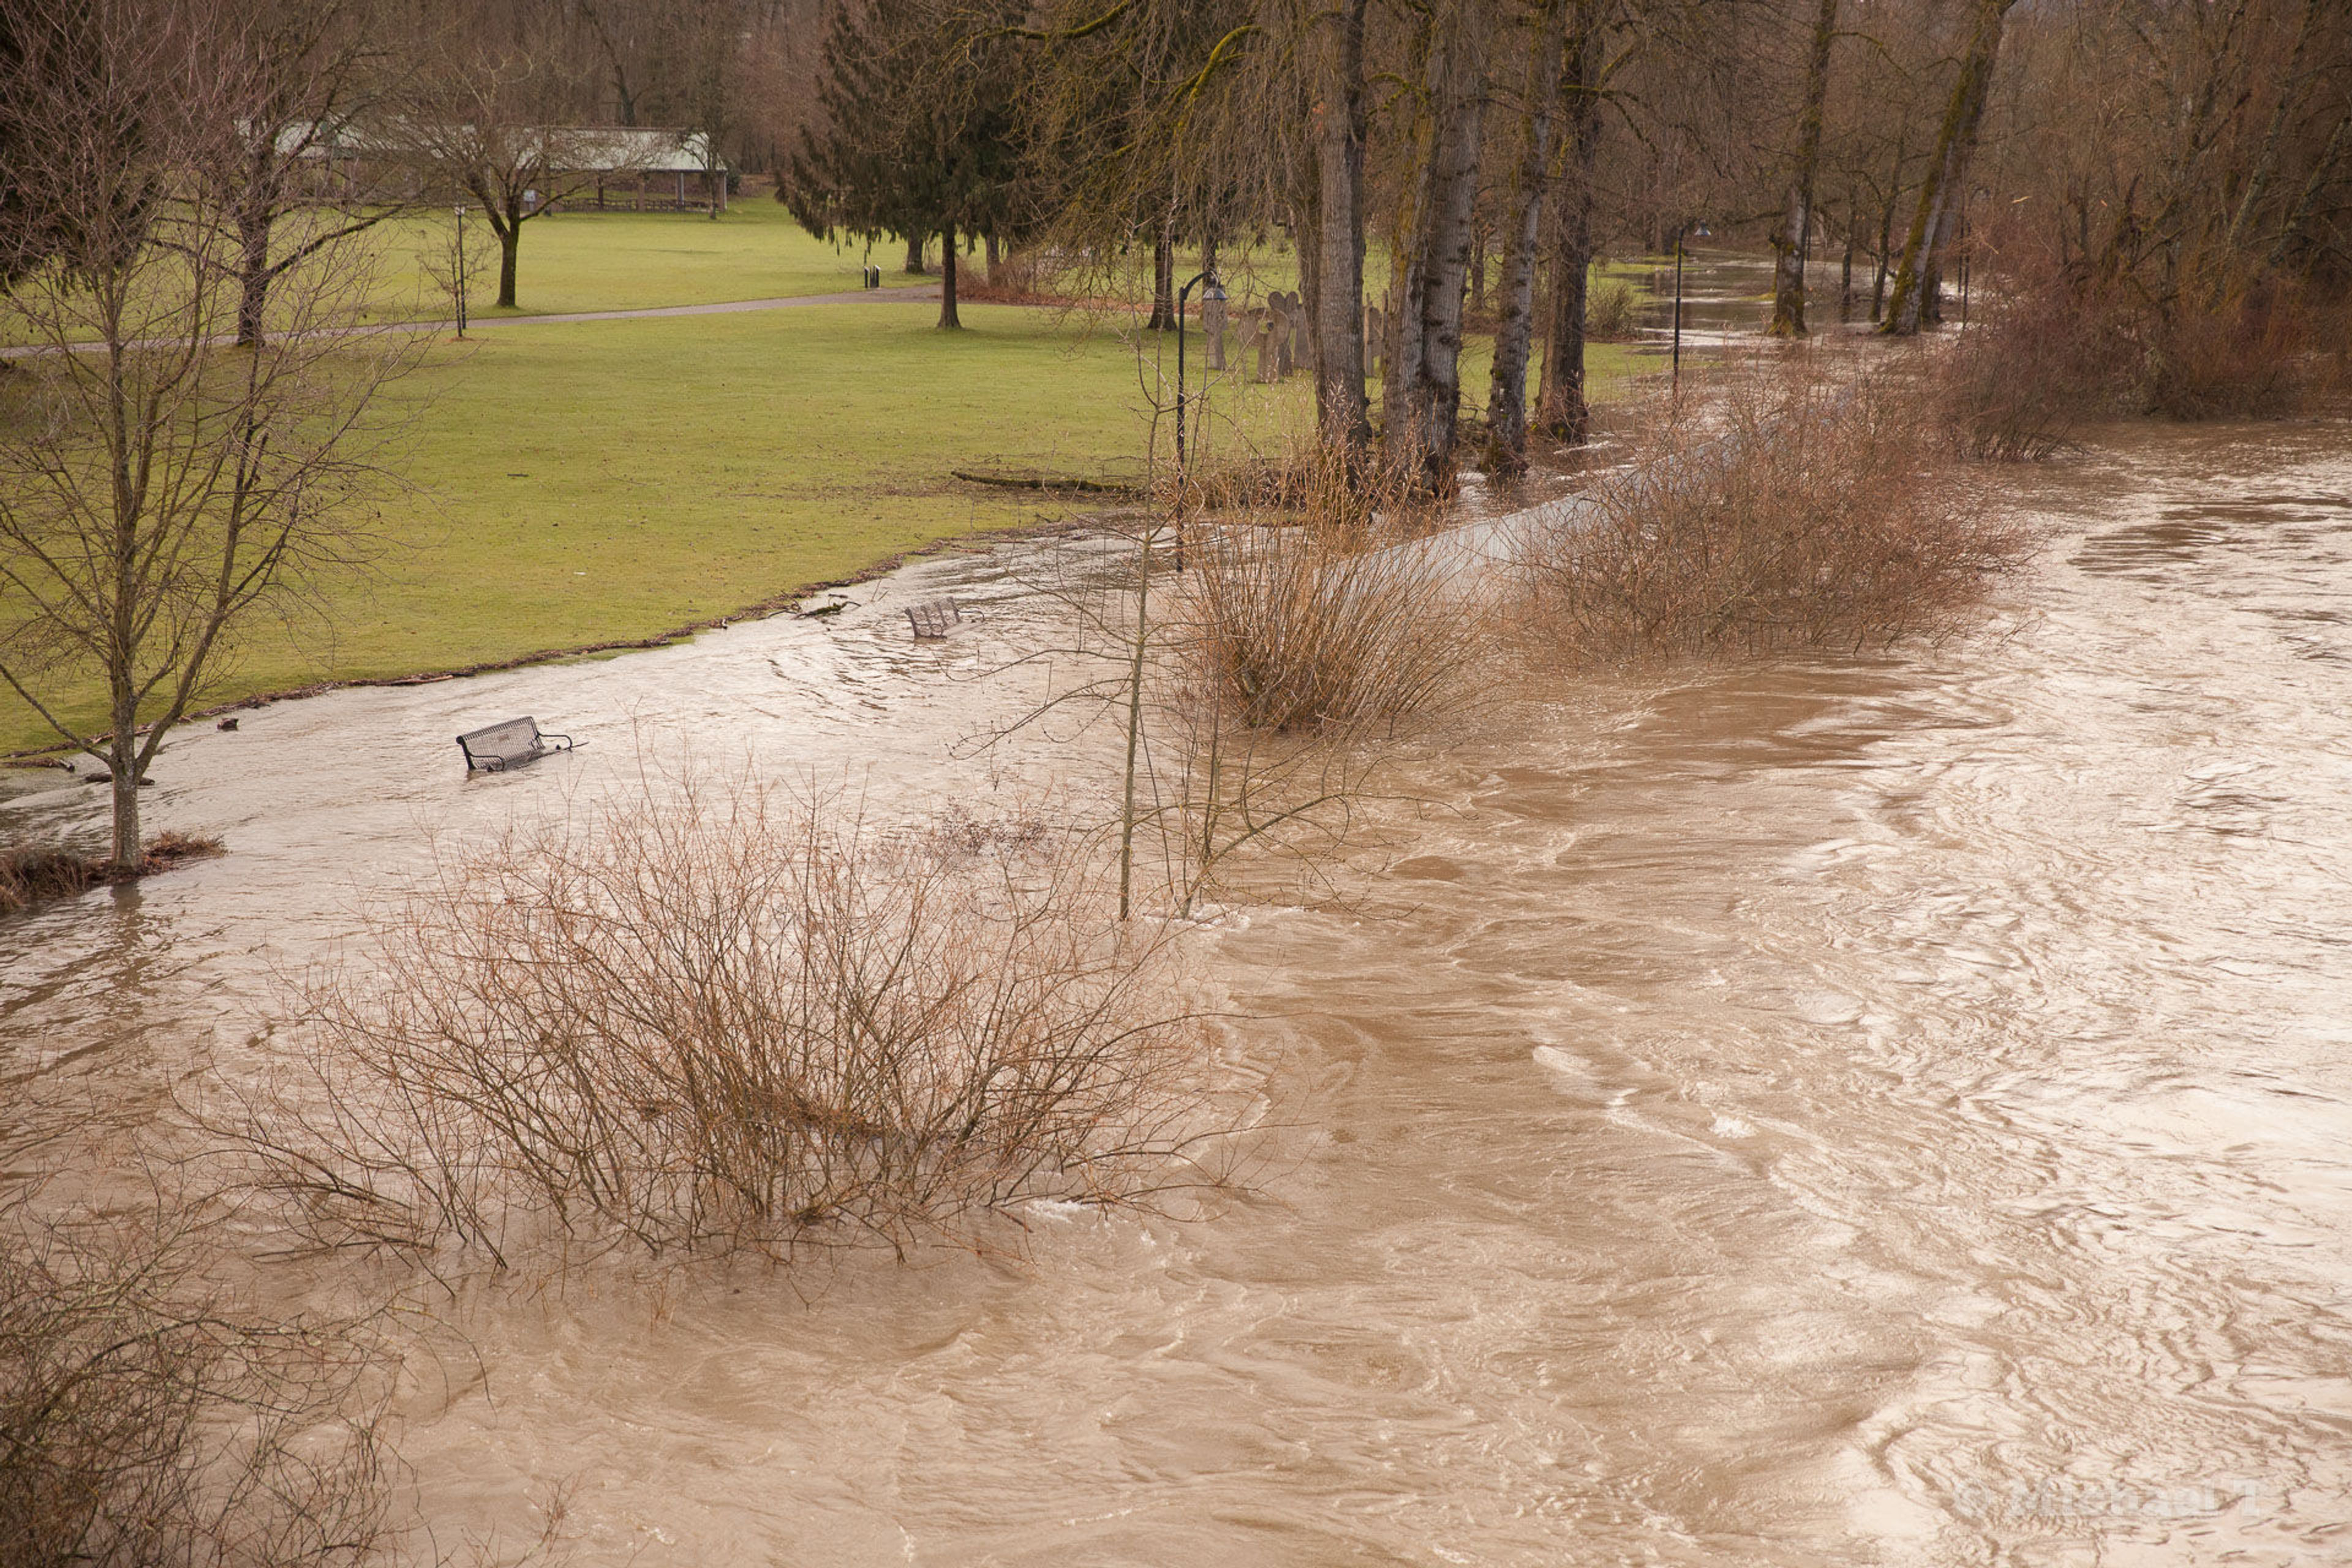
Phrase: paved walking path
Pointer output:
(909, 291)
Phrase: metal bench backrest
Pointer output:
(499, 745)
(933, 619)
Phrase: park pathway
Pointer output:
(910, 293)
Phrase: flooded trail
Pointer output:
(1820, 1112)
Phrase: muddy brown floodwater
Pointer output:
(1887, 1111)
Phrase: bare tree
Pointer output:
(1563, 410)
(294, 78)
(1425, 389)
(1336, 272)
(1507, 402)
(158, 489)
(1795, 237)
(494, 114)
(1918, 276)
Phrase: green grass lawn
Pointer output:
(587, 260)
(572, 261)
(594, 481)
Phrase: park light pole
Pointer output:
(1213, 294)
(460, 281)
(1696, 231)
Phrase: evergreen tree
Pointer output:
(918, 136)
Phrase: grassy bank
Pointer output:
(610, 480)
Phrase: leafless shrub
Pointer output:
(29, 876)
(146, 1422)
(1612, 309)
(1792, 509)
(2022, 378)
(1319, 607)
(1312, 625)
(734, 1020)
(2052, 347)
(2242, 352)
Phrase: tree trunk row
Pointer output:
(1506, 397)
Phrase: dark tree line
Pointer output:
(1470, 160)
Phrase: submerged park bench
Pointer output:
(502, 746)
(934, 619)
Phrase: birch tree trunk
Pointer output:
(1506, 396)
(1459, 106)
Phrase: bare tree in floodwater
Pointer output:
(1944, 191)
(1794, 240)
(1563, 412)
(1426, 392)
(1336, 297)
(159, 488)
(1506, 399)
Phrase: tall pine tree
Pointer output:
(918, 136)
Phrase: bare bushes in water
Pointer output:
(2053, 345)
(1790, 510)
(2022, 379)
(146, 1422)
(734, 1020)
(1326, 615)
(1257, 668)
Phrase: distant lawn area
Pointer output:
(582, 259)
(607, 480)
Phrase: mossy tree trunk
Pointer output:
(1795, 236)
(1918, 276)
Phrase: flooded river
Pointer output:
(1820, 1112)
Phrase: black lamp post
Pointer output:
(1214, 292)
(1699, 231)
(460, 290)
